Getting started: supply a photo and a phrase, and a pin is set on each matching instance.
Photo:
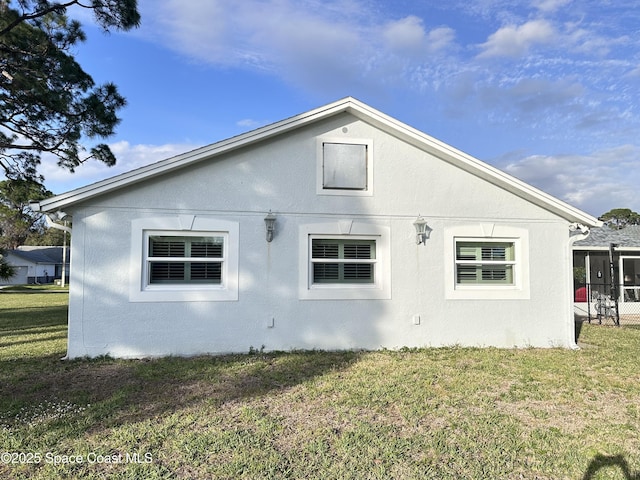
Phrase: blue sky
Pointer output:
(546, 90)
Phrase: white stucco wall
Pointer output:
(280, 175)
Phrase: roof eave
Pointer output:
(477, 167)
(174, 163)
(359, 110)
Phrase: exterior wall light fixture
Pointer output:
(270, 224)
(422, 230)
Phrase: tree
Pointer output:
(17, 221)
(620, 217)
(47, 102)
(45, 236)
(6, 271)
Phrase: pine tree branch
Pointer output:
(56, 7)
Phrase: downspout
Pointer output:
(577, 231)
(49, 220)
(51, 224)
(49, 217)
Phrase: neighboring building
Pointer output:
(175, 259)
(607, 263)
(36, 265)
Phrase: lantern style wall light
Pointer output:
(422, 230)
(270, 224)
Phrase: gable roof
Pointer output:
(627, 237)
(39, 255)
(346, 105)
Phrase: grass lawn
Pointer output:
(445, 413)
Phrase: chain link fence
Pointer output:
(606, 303)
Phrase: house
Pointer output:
(607, 263)
(339, 228)
(36, 264)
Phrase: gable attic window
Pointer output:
(344, 167)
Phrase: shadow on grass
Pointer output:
(33, 328)
(25, 318)
(112, 392)
(173, 383)
(59, 335)
(118, 392)
(617, 462)
(122, 392)
(42, 328)
(578, 327)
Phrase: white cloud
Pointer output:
(314, 45)
(532, 95)
(550, 5)
(635, 73)
(202, 32)
(562, 76)
(250, 123)
(540, 105)
(250, 33)
(585, 39)
(408, 39)
(596, 182)
(515, 41)
(406, 34)
(129, 157)
(333, 46)
(316, 52)
(441, 38)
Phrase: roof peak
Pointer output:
(349, 105)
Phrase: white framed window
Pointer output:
(344, 166)
(179, 259)
(487, 262)
(344, 260)
(185, 258)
